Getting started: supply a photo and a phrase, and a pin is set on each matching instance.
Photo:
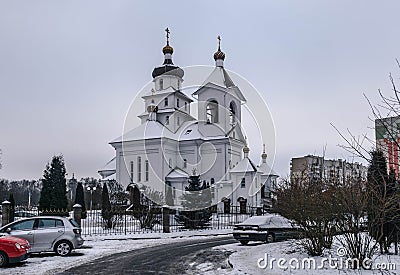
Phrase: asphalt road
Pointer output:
(161, 259)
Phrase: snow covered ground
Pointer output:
(287, 258)
(255, 258)
(96, 247)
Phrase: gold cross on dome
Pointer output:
(219, 42)
(167, 31)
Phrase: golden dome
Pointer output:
(246, 149)
(167, 49)
(219, 54)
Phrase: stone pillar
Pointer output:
(165, 219)
(5, 212)
(77, 213)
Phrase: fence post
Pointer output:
(5, 212)
(77, 213)
(165, 219)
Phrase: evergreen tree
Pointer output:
(54, 190)
(197, 202)
(12, 208)
(80, 198)
(106, 207)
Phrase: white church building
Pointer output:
(170, 144)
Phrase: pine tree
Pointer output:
(54, 190)
(106, 207)
(196, 202)
(80, 198)
(12, 208)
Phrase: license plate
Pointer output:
(244, 236)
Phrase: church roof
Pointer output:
(148, 130)
(266, 170)
(188, 130)
(111, 165)
(220, 77)
(166, 92)
(245, 165)
(177, 173)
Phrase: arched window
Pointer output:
(185, 163)
(212, 181)
(177, 103)
(170, 163)
(166, 101)
(212, 112)
(167, 120)
(185, 106)
(232, 113)
(161, 84)
(178, 121)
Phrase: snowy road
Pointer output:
(161, 259)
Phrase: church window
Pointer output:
(139, 169)
(243, 183)
(185, 106)
(161, 84)
(170, 163)
(212, 112)
(131, 171)
(167, 120)
(185, 163)
(232, 113)
(178, 121)
(212, 181)
(174, 191)
(146, 164)
(166, 101)
(177, 103)
(188, 132)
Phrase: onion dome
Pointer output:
(219, 56)
(264, 155)
(168, 49)
(168, 66)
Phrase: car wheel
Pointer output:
(270, 238)
(244, 242)
(63, 248)
(3, 259)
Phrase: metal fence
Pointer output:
(151, 221)
(146, 220)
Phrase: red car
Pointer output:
(13, 250)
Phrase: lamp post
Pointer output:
(91, 189)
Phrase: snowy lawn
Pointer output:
(256, 258)
(96, 247)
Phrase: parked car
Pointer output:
(47, 233)
(13, 250)
(268, 228)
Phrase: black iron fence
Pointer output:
(152, 220)
(147, 219)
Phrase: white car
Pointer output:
(47, 233)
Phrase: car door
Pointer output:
(23, 229)
(46, 232)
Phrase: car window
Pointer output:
(45, 223)
(23, 225)
(74, 223)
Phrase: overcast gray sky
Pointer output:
(70, 69)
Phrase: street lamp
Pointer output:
(91, 189)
